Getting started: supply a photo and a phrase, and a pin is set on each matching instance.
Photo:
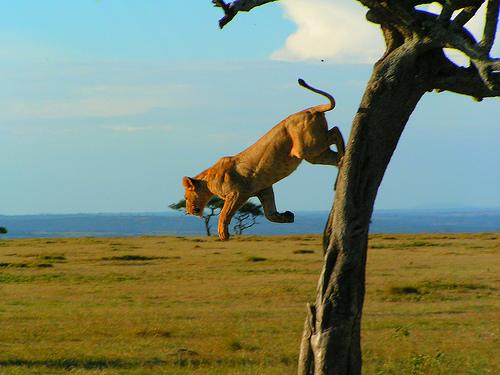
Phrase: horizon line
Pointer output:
(174, 212)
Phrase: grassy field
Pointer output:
(174, 305)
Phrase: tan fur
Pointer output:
(252, 172)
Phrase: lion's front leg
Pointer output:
(232, 203)
(266, 197)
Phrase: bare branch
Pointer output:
(229, 12)
(454, 4)
(401, 24)
(459, 38)
(464, 16)
(490, 27)
(231, 9)
(248, 5)
(486, 69)
(466, 81)
(446, 13)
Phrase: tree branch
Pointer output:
(232, 8)
(459, 38)
(454, 4)
(490, 27)
(466, 81)
(464, 16)
(402, 24)
(446, 13)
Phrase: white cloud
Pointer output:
(335, 31)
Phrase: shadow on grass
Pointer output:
(179, 359)
(7, 278)
(303, 251)
(81, 363)
(133, 257)
(437, 290)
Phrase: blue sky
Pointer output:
(105, 105)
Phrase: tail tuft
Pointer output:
(323, 107)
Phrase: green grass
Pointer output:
(200, 306)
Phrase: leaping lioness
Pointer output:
(252, 172)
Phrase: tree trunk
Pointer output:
(413, 64)
(207, 225)
(331, 339)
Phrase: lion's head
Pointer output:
(196, 194)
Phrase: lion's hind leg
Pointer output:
(266, 197)
(335, 138)
(327, 157)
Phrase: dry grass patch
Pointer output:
(238, 307)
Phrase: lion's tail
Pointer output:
(322, 107)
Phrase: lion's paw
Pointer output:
(288, 217)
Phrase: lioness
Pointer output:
(303, 135)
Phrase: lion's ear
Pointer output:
(188, 182)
